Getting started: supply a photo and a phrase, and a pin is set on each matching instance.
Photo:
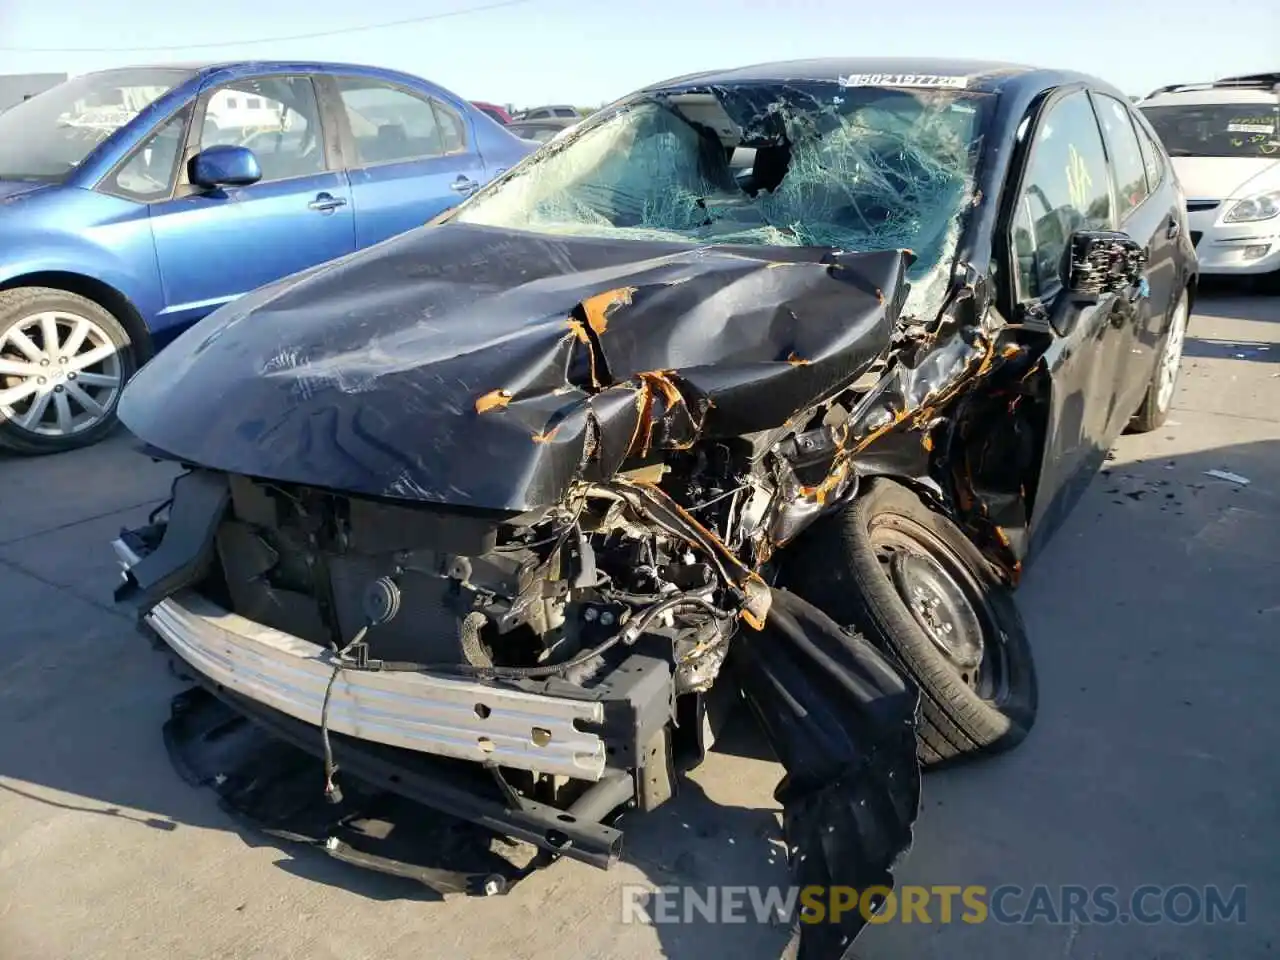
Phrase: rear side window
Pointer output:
(1126, 154)
(391, 125)
(453, 131)
(1065, 189)
(1152, 158)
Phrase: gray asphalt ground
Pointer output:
(1155, 617)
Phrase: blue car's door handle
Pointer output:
(325, 202)
(463, 185)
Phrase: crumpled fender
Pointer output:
(842, 722)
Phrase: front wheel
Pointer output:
(63, 363)
(909, 579)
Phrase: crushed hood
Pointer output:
(490, 368)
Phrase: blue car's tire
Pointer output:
(64, 361)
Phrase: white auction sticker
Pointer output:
(904, 80)
(1251, 127)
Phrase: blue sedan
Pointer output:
(133, 202)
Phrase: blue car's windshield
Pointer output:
(790, 164)
(47, 137)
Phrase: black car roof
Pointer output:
(982, 75)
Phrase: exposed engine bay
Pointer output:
(677, 554)
(620, 593)
(562, 591)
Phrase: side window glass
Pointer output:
(1065, 189)
(1126, 155)
(148, 174)
(1152, 158)
(453, 130)
(275, 117)
(389, 124)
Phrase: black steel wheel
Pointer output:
(913, 583)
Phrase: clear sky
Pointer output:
(589, 51)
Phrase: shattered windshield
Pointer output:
(1218, 129)
(47, 137)
(812, 164)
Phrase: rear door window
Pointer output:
(391, 125)
(1126, 154)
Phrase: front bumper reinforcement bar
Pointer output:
(446, 716)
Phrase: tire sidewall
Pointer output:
(41, 300)
(1151, 415)
(1181, 306)
(834, 566)
(896, 627)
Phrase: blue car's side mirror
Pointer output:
(224, 165)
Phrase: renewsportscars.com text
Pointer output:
(1181, 904)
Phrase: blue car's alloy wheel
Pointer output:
(63, 362)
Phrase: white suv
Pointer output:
(1224, 139)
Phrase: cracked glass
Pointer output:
(803, 164)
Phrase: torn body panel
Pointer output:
(842, 722)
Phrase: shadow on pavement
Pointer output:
(1236, 299)
(1255, 351)
(42, 495)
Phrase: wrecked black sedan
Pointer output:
(767, 380)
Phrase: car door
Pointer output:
(1167, 269)
(1155, 229)
(1065, 187)
(213, 245)
(409, 155)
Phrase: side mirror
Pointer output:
(224, 165)
(1102, 262)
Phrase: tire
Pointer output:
(56, 400)
(839, 566)
(1158, 400)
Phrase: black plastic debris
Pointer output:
(274, 787)
(842, 722)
